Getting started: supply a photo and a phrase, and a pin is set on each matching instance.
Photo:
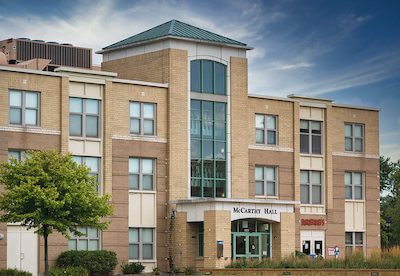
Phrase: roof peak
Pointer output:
(176, 29)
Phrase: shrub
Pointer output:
(132, 268)
(189, 271)
(96, 262)
(68, 271)
(13, 272)
(156, 271)
(176, 270)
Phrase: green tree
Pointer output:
(50, 192)
(390, 202)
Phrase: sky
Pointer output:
(345, 50)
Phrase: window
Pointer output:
(310, 137)
(84, 117)
(266, 129)
(142, 118)
(141, 243)
(88, 242)
(93, 163)
(16, 154)
(207, 76)
(353, 182)
(354, 137)
(208, 148)
(311, 187)
(354, 241)
(201, 239)
(265, 178)
(141, 174)
(24, 108)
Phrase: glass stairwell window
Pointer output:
(208, 149)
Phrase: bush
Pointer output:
(68, 271)
(156, 271)
(96, 262)
(189, 271)
(132, 268)
(176, 270)
(13, 272)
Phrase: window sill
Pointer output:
(355, 200)
(80, 138)
(25, 126)
(141, 261)
(266, 197)
(312, 205)
(141, 191)
(312, 155)
(142, 135)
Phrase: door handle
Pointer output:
(22, 256)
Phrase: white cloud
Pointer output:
(291, 66)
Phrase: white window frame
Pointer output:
(140, 243)
(310, 185)
(140, 174)
(142, 119)
(310, 135)
(265, 129)
(21, 154)
(83, 115)
(23, 108)
(85, 238)
(353, 244)
(354, 138)
(353, 186)
(266, 181)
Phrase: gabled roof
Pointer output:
(176, 29)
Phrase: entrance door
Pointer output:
(247, 245)
(22, 249)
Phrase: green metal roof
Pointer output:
(175, 28)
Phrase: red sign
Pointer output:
(318, 222)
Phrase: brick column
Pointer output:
(179, 242)
(287, 234)
(217, 227)
(64, 114)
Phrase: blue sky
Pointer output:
(346, 50)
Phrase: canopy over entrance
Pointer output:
(240, 208)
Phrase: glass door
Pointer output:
(254, 244)
(246, 246)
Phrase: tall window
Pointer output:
(24, 108)
(88, 242)
(207, 76)
(353, 182)
(142, 118)
(266, 129)
(354, 241)
(141, 243)
(201, 239)
(84, 117)
(265, 178)
(141, 174)
(310, 137)
(93, 163)
(311, 187)
(354, 137)
(208, 149)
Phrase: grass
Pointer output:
(385, 259)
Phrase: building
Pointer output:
(200, 171)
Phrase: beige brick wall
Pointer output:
(283, 161)
(177, 125)
(239, 119)
(64, 109)
(287, 234)
(152, 67)
(217, 227)
(49, 88)
(284, 111)
(120, 96)
(370, 119)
